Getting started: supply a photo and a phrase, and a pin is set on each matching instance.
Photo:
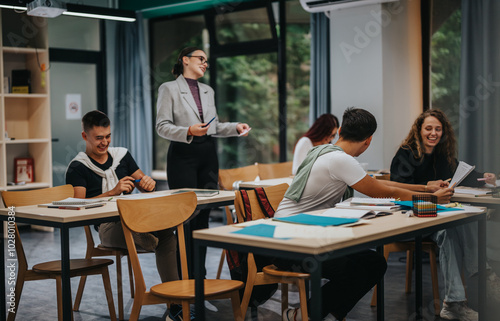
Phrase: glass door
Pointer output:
(73, 92)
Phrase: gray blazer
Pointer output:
(177, 110)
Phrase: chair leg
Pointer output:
(79, 293)
(303, 298)
(221, 263)
(186, 313)
(131, 277)
(109, 293)
(136, 307)
(235, 302)
(409, 270)
(119, 286)
(434, 278)
(17, 297)
(284, 297)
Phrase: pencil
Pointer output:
(449, 179)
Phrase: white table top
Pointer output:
(375, 229)
(108, 210)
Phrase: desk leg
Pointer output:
(316, 309)
(3, 310)
(199, 285)
(481, 229)
(380, 291)
(66, 283)
(418, 277)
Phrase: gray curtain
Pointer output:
(479, 133)
(320, 102)
(132, 127)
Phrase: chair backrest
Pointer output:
(155, 214)
(33, 197)
(274, 195)
(227, 177)
(276, 170)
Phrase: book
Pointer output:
(77, 201)
(72, 206)
(372, 201)
(320, 220)
(383, 208)
(198, 192)
(354, 213)
(463, 169)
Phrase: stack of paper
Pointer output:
(347, 204)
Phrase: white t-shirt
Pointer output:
(327, 182)
(302, 147)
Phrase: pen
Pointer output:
(211, 120)
(484, 195)
(481, 179)
(137, 180)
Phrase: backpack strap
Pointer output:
(264, 203)
(246, 205)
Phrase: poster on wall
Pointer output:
(73, 106)
(25, 171)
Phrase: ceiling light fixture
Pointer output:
(53, 8)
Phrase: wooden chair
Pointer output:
(228, 177)
(100, 251)
(409, 247)
(276, 170)
(270, 274)
(52, 270)
(158, 214)
(227, 180)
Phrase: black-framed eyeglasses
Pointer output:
(203, 60)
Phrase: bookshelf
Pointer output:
(25, 129)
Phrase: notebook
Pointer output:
(198, 192)
(353, 213)
(72, 206)
(382, 208)
(77, 201)
(463, 169)
(370, 201)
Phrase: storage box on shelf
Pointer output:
(25, 117)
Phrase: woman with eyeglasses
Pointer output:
(322, 132)
(187, 116)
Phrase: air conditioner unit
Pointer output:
(330, 5)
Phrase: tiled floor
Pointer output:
(39, 297)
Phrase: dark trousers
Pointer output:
(350, 278)
(193, 165)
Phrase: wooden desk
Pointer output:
(378, 232)
(65, 219)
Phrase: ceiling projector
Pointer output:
(46, 8)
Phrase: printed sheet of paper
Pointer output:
(463, 169)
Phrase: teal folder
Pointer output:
(263, 230)
(316, 220)
(408, 205)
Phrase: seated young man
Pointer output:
(103, 171)
(321, 181)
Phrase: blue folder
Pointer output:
(263, 230)
(408, 205)
(316, 220)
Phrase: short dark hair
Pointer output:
(357, 125)
(322, 128)
(94, 118)
(178, 68)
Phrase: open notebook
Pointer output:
(353, 213)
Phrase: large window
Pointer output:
(168, 37)
(245, 78)
(445, 62)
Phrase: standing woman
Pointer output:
(321, 132)
(429, 154)
(185, 108)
